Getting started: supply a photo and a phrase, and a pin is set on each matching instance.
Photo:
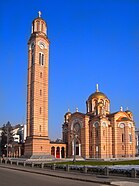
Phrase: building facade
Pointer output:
(99, 133)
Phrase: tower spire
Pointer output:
(97, 90)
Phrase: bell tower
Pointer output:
(37, 142)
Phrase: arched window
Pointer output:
(32, 57)
(38, 25)
(104, 147)
(41, 58)
(103, 132)
(122, 137)
(130, 138)
(42, 27)
(90, 107)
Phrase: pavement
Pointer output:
(108, 180)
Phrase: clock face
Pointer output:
(122, 125)
(65, 129)
(41, 44)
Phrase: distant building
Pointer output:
(99, 133)
(137, 141)
(19, 133)
(0, 141)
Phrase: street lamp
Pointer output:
(74, 157)
(7, 141)
(74, 137)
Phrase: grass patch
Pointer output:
(94, 163)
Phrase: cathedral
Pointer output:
(99, 133)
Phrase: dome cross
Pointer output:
(39, 13)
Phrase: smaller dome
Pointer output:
(128, 111)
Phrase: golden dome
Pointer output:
(98, 95)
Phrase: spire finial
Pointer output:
(121, 108)
(126, 108)
(39, 13)
(68, 110)
(76, 109)
(97, 88)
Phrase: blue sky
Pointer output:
(91, 41)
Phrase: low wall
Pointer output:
(97, 170)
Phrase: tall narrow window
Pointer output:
(32, 59)
(40, 110)
(42, 27)
(40, 74)
(40, 92)
(122, 137)
(41, 58)
(103, 132)
(38, 26)
(130, 138)
(32, 55)
(40, 128)
(104, 147)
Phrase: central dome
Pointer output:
(97, 95)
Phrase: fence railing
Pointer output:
(97, 170)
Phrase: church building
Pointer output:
(99, 133)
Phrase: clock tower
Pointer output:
(37, 142)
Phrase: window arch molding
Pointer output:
(121, 125)
(77, 120)
(96, 124)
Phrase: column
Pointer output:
(55, 152)
(60, 152)
(73, 147)
(79, 149)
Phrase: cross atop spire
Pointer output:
(121, 108)
(39, 13)
(97, 90)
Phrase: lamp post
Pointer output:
(7, 141)
(74, 135)
(74, 157)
